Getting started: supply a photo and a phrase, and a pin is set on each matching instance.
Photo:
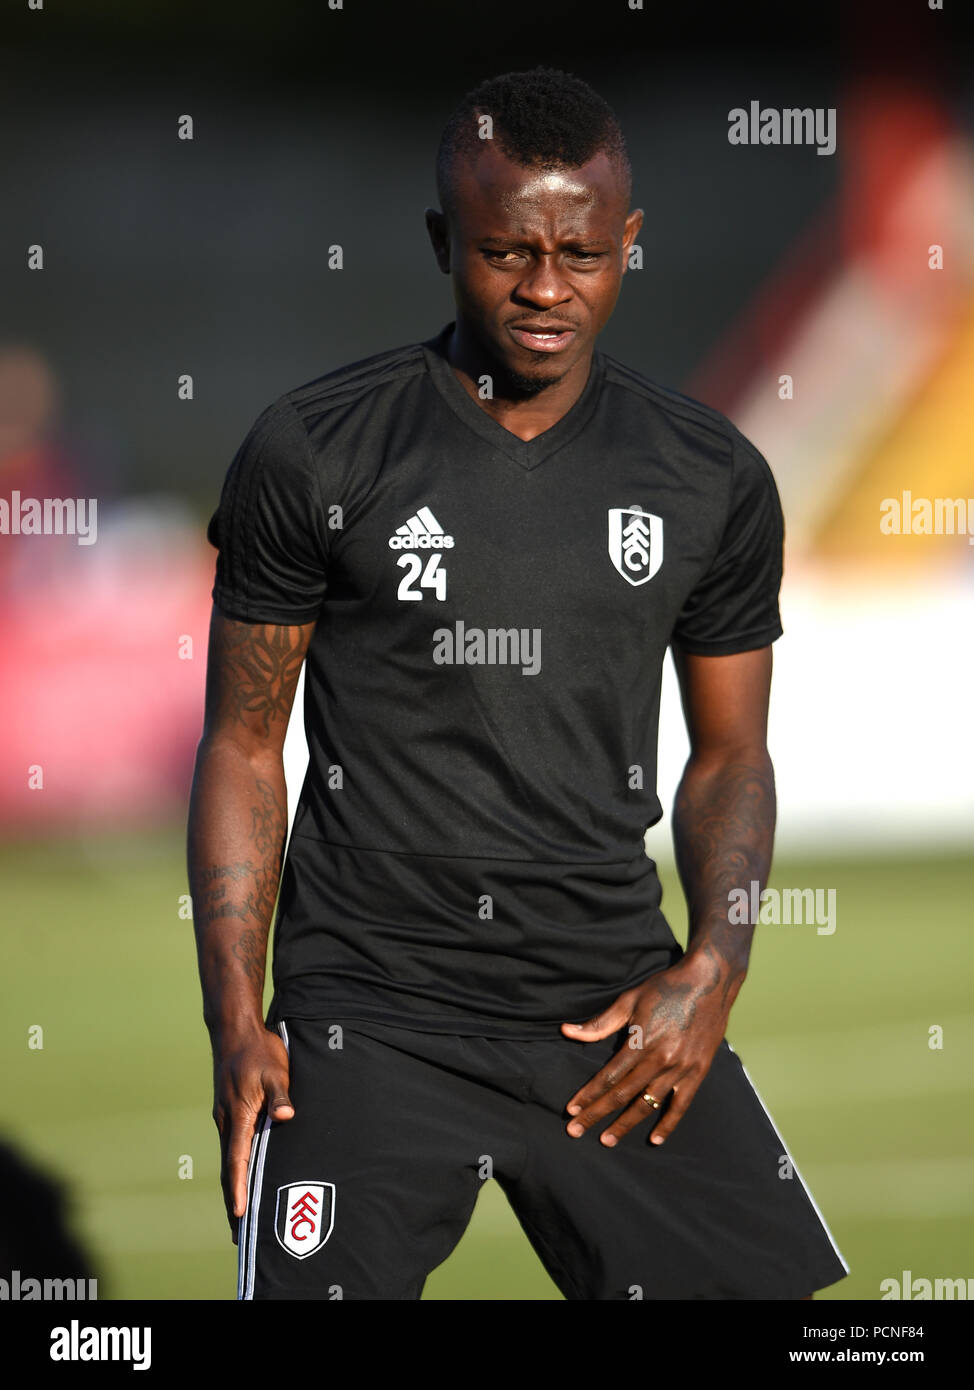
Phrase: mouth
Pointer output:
(540, 339)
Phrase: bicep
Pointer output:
(725, 700)
(252, 673)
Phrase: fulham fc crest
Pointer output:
(635, 543)
(304, 1218)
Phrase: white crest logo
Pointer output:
(305, 1216)
(635, 543)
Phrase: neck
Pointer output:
(524, 412)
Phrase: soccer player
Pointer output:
(483, 544)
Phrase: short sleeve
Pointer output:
(268, 528)
(734, 607)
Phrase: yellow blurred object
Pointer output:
(926, 454)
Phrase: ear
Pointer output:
(439, 234)
(633, 223)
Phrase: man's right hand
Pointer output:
(250, 1077)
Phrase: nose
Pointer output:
(543, 286)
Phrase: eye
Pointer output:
(585, 255)
(504, 257)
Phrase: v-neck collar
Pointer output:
(527, 452)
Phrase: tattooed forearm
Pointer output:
(250, 949)
(210, 898)
(234, 806)
(220, 871)
(723, 824)
(267, 819)
(247, 889)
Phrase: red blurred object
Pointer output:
(104, 648)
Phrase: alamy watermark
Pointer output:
(907, 515)
(791, 125)
(77, 1343)
(26, 1289)
(924, 1290)
(488, 646)
(49, 516)
(785, 906)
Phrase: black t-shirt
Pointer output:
(483, 682)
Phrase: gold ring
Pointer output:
(650, 1099)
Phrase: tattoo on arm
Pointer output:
(259, 665)
(238, 810)
(245, 891)
(723, 835)
(251, 952)
(678, 1002)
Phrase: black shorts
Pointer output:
(373, 1181)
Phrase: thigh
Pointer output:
(369, 1186)
(717, 1212)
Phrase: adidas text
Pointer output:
(421, 542)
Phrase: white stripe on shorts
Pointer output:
(794, 1165)
(247, 1234)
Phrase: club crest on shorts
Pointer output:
(304, 1217)
(635, 543)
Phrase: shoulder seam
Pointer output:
(315, 483)
(271, 423)
(345, 386)
(673, 401)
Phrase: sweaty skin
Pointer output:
(531, 249)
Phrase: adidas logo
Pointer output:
(421, 532)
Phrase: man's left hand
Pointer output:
(676, 1020)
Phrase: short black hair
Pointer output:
(542, 118)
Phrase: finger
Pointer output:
(679, 1104)
(613, 1075)
(639, 1112)
(619, 1095)
(223, 1125)
(242, 1129)
(280, 1107)
(275, 1080)
(604, 1024)
(225, 1187)
(232, 1221)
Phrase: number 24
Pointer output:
(433, 577)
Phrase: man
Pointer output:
(484, 544)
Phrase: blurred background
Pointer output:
(158, 292)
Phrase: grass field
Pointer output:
(834, 1031)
